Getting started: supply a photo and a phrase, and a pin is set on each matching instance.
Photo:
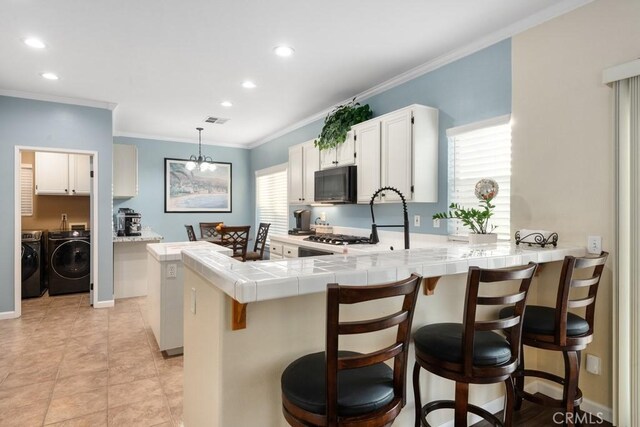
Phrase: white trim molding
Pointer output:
(494, 121)
(621, 72)
(184, 140)
(59, 99)
(104, 304)
(8, 315)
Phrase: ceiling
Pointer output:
(168, 64)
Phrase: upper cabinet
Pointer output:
(63, 174)
(342, 155)
(400, 150)
(304, 161)
(125, 171)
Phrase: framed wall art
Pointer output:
(196, 190)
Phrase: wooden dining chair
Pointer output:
(558, 329)
(346, 388)
(472, 352)
(208, 230)
(190, 233)
(261, 241)
(236, 238)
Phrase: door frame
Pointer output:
(93, 215)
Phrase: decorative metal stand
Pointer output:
(537, 239)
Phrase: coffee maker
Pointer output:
(303, 222)
(128, 222)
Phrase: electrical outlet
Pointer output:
(593, 364)
(172, 271)
(63, 217)
(323, 216)
(594, 244)
(416, 220)
(436, 223)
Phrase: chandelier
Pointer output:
(203, 163)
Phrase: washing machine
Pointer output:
(33, 284)
(69, 255)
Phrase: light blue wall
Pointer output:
(473, 88)
(47, 124)
(150, 199)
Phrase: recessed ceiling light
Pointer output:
(49, 76)
(226, 104)
(34, 43)
(283, 51)
(248, 84)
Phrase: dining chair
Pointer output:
(190, 233)
(472, 352)
(346, 388)
(208, 230)
(261, 240)
(558, 329)
(236, 238)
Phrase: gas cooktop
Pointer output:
(338, 239)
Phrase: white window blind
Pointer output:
(26, 189)
(476, 151)
(271, 199)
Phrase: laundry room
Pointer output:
(55, 224)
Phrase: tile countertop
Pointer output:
(146, 236)
(264, 280)
(173, 251)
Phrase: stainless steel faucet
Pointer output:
(374, 227)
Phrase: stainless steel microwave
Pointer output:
(336, 185)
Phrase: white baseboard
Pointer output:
(550, 390)
(104, 304)
(8, 315)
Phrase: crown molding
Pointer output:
(184, 140)
(534, 20)
(59, 99)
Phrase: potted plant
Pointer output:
(339, 121)
(476, 219)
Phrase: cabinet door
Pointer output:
(125, 171)
(367, 142)
(396, 154)
(311, 165)
(295, 174)
(344, 151)
(327, 158)
(79, 174)
(52, 173)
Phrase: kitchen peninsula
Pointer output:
(232, 377)
(130, 263)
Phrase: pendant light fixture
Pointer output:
(203, 163)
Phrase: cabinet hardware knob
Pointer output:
(66, 191)
(382, 195)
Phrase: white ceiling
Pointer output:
(168, 64)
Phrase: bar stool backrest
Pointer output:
(208, 230)
(261, 238)
(236, 238)
(190, 233)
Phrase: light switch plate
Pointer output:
(593, 364)
(594, 244)
(416, 220)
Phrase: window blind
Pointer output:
(271, 199)
(481, 150)
(26, 189)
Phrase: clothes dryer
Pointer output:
(69, 255)
(32, 264)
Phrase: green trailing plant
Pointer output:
(339, 121)
(476, 219)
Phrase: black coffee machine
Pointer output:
(128, 222)
(303, 222)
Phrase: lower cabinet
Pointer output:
(278, 250)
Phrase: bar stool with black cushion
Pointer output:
(208, 230)
(236, 238)
(190, 233)
(555, 328)
(471, 352)
(340, 388)
(261, 240)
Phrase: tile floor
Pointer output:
(64, 363)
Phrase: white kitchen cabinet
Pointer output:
(63, 174)
(304, 161)
(342, 155)
(405, 155)
(125, 171)
(290, 251)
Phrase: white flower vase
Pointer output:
(480, 239)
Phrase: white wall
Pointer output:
(563, 149)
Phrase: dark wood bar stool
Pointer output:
(261, 240)
(471, 352)
(190, 233)
(208, 230)
(345, 388)
(236, 238)
(555, 328)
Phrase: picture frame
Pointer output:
(195, 191)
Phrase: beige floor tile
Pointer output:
(150, 412)
(80, 383)
(99, 419)
(31, 414)
(28, 376)
(133, 392)
(76, 405)
(172, 383)
(127, 373)
(23, 395)
(134, 357)
(175, 406)
(93, 362)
